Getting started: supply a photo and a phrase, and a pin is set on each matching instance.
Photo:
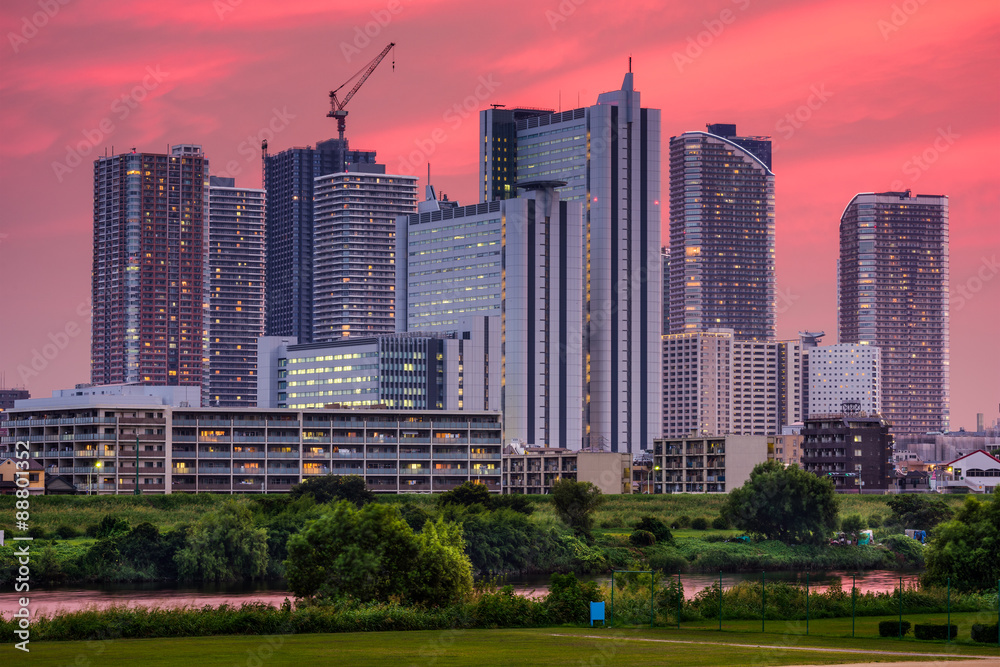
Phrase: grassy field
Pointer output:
(550, 646)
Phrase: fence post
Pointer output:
(680, 598)
(611, 613)
(807, 604)
(854, 594)
(949, 611)
(652, 575)
(720, 600)
(763, 593)
(900, 607)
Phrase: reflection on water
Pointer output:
(874, 581)
(48, 602)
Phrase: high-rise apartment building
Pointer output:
(893, 293)
(235, 301)
(608, 155)
(721, 234)
(520, 260)
(842, 374)
(150, 214)
(715, 385)
(288, 179)
(354, 278)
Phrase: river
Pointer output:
(74, 598)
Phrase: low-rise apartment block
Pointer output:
(108, 448)
(706, 465)
(534, 470)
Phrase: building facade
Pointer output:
(722, 248)
(456, 370)
(150, 215)
(354, 278)
(706, 465)
(854, 451)
(716, 385)
(235, 281)
(520, 261)
(8, 396)
(246, 450)
(844, 373)
(893, 293)
(288, 179)
(533, 470)
(609, 157)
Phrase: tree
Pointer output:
(224, 546)
(852, 525)
(466, 494)
(334, 487)
(575, 504)
(372, 554)
(787, 504)
(966, 548)
(920, 512)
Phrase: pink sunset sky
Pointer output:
(858, 96)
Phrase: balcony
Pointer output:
(347, 471)
(241, 470)
(282, 455)
(214, 455)
(381, 471)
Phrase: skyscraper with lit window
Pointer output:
(608, 154)
(150, 211)
(235, 316)
(721, 234)
(893, 293)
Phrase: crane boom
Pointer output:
(337, 106)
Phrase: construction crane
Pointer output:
(337, 106)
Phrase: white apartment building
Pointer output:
(845, 373)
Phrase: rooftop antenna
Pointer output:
(498, 106)
(630, 64)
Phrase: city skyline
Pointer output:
(907, 106)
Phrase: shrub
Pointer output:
(642, 538)
(875, 521)
(935, 631)
(111, 526)
(656, 527)
(667, 559)
(699, 523)
(683, 521)
(984, 634)
(569, 600)
(37, 532)
(906, 549)
(65, 532)
(720, 523)
(893, 628)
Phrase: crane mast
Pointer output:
(337, 106)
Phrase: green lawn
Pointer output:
(550, 646)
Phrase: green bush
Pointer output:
(683, 521)
(110, 526)
(875, 521)
(65, 532)
(935, 631)
(984, 634)
(699, 523)
(38, 533)
(569, 600)
(905, 550)
(893, 628)
(720, 523)
(642, 538)
(656, 527)
(667, 559)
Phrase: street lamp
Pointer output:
(90, 477)
(649, 478)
